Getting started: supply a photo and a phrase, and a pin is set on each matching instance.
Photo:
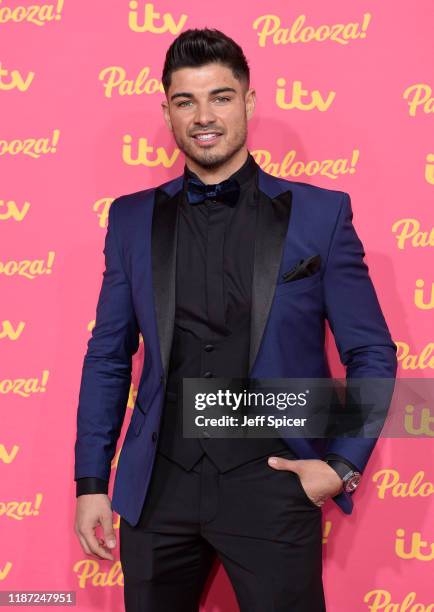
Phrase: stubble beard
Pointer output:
(209, 160)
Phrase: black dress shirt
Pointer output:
(214, 270)
(215, 245)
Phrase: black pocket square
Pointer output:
(305, 267)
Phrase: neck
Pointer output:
(212, 176)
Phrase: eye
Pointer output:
(184, 103)
(223, 99)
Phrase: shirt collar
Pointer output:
(243, 175)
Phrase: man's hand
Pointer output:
(92, 510)
(318, 479)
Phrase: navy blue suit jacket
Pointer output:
(287, 333)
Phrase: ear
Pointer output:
(250, 100)
(166, 114)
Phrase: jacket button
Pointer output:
(154, 436)
(208, 374)
(208, 347)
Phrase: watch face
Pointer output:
(352, 483)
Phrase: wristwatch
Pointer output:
(351, 478)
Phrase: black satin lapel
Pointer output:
(271, 227)
(163, 248)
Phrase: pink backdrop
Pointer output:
(81, 123)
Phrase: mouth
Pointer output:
(206, 138)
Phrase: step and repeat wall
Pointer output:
(345, 100)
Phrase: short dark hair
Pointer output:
(197, 47)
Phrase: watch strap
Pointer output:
(340, 467)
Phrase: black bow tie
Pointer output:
(227, 191)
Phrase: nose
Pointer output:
(204, 114)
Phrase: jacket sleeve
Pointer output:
(361, 334)
(106, 371)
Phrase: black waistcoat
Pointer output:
(214, 269)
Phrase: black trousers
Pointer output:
(257, 521)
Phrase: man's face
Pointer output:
(208, 100)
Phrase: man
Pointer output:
(199, 266)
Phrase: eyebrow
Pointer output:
(213, 92)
